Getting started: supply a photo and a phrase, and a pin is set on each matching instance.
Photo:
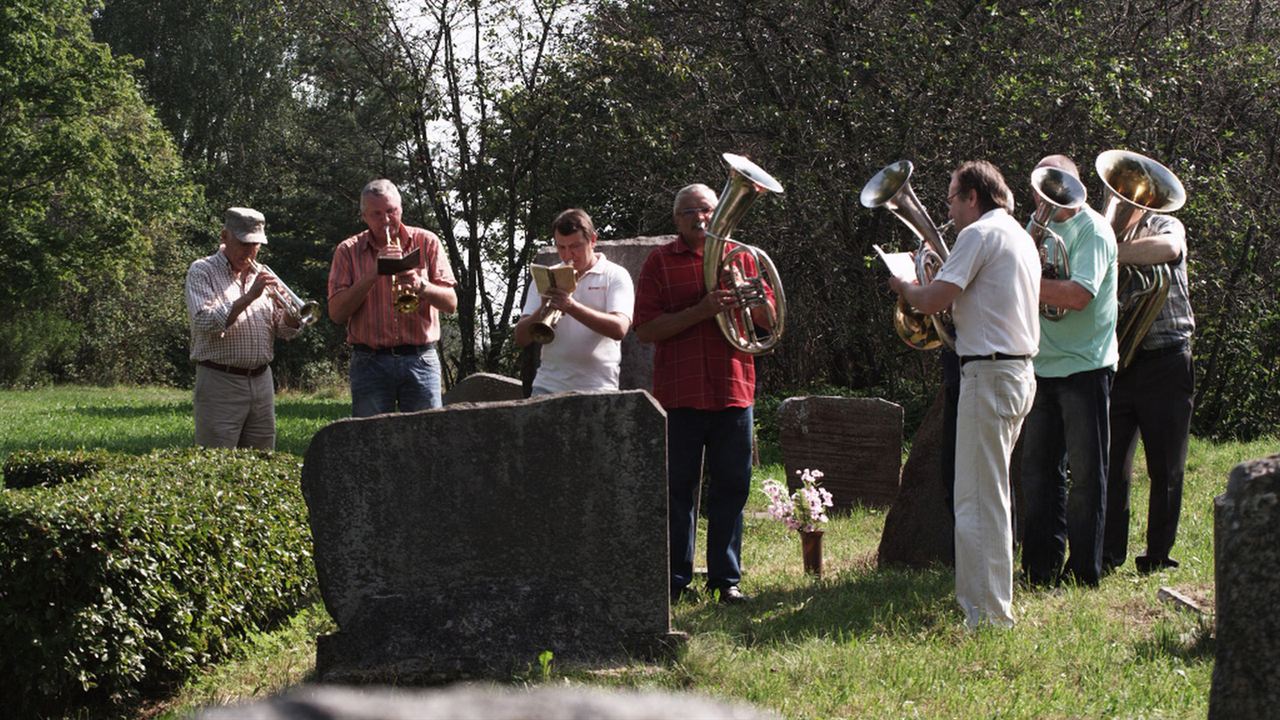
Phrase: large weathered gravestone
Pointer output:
(465, 541)
(636, 372)
(480, 702)
(919, 528)
(855, 442)
(484, 387)
(1246, 556)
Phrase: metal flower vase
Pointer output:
(811, 549)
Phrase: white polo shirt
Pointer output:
(996, 264)
(580, 358)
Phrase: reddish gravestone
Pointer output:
(855, 442)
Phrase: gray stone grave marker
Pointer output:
(484, 387)
(465, 541)
(855, 442)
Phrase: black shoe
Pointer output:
(1147, 565)
(684, 594)
(730, 595)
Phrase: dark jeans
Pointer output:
(1067, 428)
(394, 383)
(726, 436)
(1153, 398)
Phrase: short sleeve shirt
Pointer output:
(1084, 340)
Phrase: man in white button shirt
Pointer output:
(991, 281)
(586, 353)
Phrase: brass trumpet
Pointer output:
(404, 297)
(1057, 190)
(305, 312)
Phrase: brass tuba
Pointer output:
(1136, 185)
(730, 270)
(1057, 190)
(306, 312)
(891, 189)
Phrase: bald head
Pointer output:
(1062, 162)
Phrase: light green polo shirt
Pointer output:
(1086, 339)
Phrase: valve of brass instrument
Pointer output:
(404, 293)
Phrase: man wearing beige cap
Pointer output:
(234, 324)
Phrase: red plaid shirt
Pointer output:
(376, 323)
(696, 368)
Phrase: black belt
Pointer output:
(993, 356)
(394, 349)
(1175, 349)
(247, 372)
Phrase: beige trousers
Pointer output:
(234, 410)
(995, 397)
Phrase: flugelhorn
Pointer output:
(1136, 185)
(891, 189)
(1057, 190)
(306, 312)
(731, 270)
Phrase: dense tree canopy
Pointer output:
(495, 115)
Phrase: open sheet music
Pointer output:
(556, 276)
(900, 264)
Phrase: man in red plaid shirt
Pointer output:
(707, 388)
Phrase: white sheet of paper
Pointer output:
(900, 263)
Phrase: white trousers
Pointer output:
(995, 397)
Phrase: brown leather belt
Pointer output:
(247, 372)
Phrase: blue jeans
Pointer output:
(1068, 428)
(726, 437)
(394, 383)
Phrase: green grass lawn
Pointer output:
(862, 642)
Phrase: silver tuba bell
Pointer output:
(891, 189)
(1057, 190)
(1136, 185)
(731, 270)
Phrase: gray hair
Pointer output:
(696, 188)
(380, 187)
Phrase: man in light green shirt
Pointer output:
(1068, 425)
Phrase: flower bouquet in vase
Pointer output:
(804, 510)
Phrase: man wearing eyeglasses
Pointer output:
(991, 281)
(707, 388)
(586, 353)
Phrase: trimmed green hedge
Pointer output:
(133, 577)
(29, 468)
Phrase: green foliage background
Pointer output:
(121, 148)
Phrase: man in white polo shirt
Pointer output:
(587, 350)
(991, 280)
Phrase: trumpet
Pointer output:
(305, 312)
(544, 330)
(404, 298)
(1057, 190)
(891, 189)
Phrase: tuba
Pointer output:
(730, 270)
(1057, 190)
(306, 312)
(1136, 185)
(891, 189)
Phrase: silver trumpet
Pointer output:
(306, 312)
(1057, 190)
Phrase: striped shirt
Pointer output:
(376, 323)
(695, 368)
(212, 287)
(1175, 323)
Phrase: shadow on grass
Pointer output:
(853, 604)
(1170, 639)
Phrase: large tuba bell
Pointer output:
(731, 270)
(891, 189)
(1136, 185)
(1057, 190)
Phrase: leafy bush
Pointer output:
(136, 575)
(29, 468)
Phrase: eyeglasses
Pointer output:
(691, 212)
(954, 195)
